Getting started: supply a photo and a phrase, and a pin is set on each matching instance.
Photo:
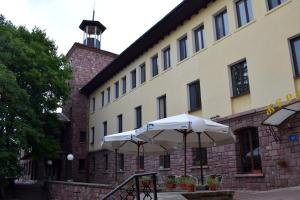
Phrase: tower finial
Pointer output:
(94, 11)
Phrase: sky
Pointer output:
(125, 20)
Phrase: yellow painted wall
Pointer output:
(263, 42)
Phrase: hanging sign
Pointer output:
(293, 137)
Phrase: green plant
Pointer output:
(190, 181)
(170, 180)
(212, 182)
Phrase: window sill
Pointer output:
(256, 175)
(182, 61)
(198, 167)
(121, 172)
(154, 77)
(105, 172)
(221, 39)
(200, 51)
(164, 169)
(194, 110)
(277, 7)
(240, 95)
(245, 26)
(166, 70)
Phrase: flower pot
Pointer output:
(170, 185)
(182, 186)
(212, 187)
(190, 188)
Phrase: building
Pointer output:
(226, 60)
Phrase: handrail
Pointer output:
(135, 176)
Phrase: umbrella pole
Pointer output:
(138, 158)
(116, 165)
(201, 164)
(184, 141)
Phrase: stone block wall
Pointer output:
(58, 190)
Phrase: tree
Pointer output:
(33, 84)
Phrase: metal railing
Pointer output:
(137, 186)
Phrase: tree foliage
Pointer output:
(33, 84)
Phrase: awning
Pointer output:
(279, 116)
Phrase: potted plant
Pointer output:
(170, 182)
(282, 163)
(212, 183)
(146, 181)
(182, 182)
(190, 185)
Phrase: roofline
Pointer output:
(81, 46)
(181, 13)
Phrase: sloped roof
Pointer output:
(184, 11)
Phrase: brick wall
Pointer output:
(225, 160)
(86, 63)
(58, 190)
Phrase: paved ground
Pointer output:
(292, 193)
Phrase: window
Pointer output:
(93, 104)
(105, 162)
(167, 58)
(199, 38)
(295, 45)
(140, 162)
(117, 89)
(108, 95)
(142, 73)
(194, 96)
(102, 98)
(244, 12)
(82, 137)
(164, 161)
(121, 162)
(162, 107)
(120, 123)
(133, 79)
(81, 164)
(221, 23)
(199, 156)
(92, 139)
(274, 3)
(93, 163)
(154, 65)
(239, 78)
(104, 128)
(249, 150)
(124, 85)
(182, 43)
(138, 117)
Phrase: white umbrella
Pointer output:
(201, 133)
(127, 142)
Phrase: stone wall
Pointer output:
(86, 63)
(58, 190)
(225, 160)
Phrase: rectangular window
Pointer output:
(138, 117)
(82, 137)
(102, 98)
(104, 128)
(142, 73)
(92, 138)
(108, 95)
(239, 78)
(167, 58)
(274, 3)
(221, 23)
(93, 104)
(120, 123)
(164, 161)
(81, 164)
(133, 79)
(162, 107)
(194, 96)
(244, 12)
(117, 89)
(154, 65)
(105, 162)
(140, 162)
(199, 38)
(249, 150)
(124, 85)
(295, 45)
(199, 156)
(182, 43)
(121, 162)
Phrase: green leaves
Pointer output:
(33, 84)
